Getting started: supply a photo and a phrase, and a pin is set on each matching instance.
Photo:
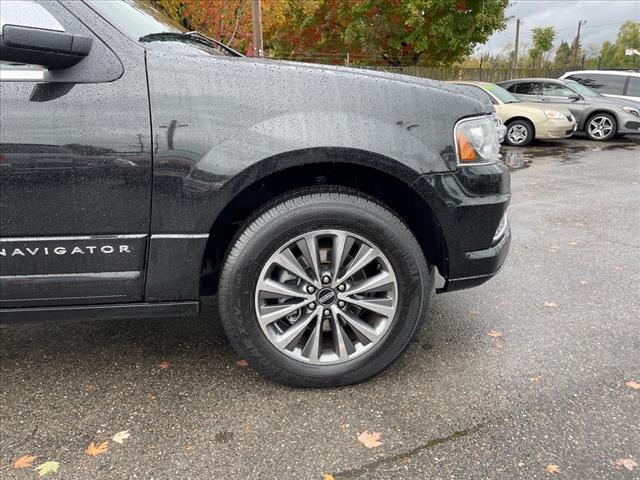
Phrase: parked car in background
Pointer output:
(598, 116)
(611, 83)
(525, 121)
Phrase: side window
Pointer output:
(528, 88)
(603, 83)
(556, 90)
(633, 89)
(26, 13)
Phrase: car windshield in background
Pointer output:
(142, 22)
(500, 93)
(135, 18)
(581, 89)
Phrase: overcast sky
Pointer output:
(603, 20)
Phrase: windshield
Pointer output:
(135, 18)
(581, 89)
(500, 93)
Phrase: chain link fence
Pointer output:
(478, 74)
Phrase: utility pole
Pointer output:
(515, 56)
(257, 28)
(577, 49)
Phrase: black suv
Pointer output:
(144, 167)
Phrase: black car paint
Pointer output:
(214, 128)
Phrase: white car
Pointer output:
(612, 83)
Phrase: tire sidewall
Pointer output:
(299, 216)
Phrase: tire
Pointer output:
(520, 133)
(327, 216)
(601, 127)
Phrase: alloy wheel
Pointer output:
(517, 134)
(326, 297)
(600, 127)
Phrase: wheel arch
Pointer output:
(380, 177)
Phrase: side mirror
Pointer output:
(575, 97)
(52, 49)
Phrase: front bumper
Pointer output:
(469, 205)
(628, 124)
(552, 129)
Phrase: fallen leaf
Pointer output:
(89, 387)
(633, 384)
(583, 282)
(47, 467)
(120, 437)
(474, 312)
(494, 333)
(553, 469)
(535, 379)
(573, 244)
(327, 476)
(242, 363)
(618, 268)
(25, 461)
(93, 450)
(550, 304)
(627, 463)
(540, 232)
(370, 439)
(499, 342)
(188, 447)
(164, 365)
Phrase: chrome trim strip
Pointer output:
(61, 239)
(125, 274)
(179, 235)
(21, 75)
(64, 298)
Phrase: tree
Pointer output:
(542, 43)
(563, 56)
(628, 38)
(607, 54)
(392, 32)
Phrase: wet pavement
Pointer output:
(549, 390)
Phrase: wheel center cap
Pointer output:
(326, 296)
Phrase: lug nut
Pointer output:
(311, 306)
(342, 287)
(310, 289)
(326, 279)
(326, 312)
(341, 304)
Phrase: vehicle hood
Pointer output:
(622, 102)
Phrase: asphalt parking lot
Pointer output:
(527, 371)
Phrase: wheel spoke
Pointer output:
(313, 348)
(278, 290)
(341, 342)
(377, 305)
(270, 313)
(371, 284)
(338, 252)
(309, 248)
(295, 331)
(288, 261)
(362, 329)
(364, 256)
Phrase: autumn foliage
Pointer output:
(374, 32)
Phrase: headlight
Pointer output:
(477, 140)
(554, 114)
(632, 111)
